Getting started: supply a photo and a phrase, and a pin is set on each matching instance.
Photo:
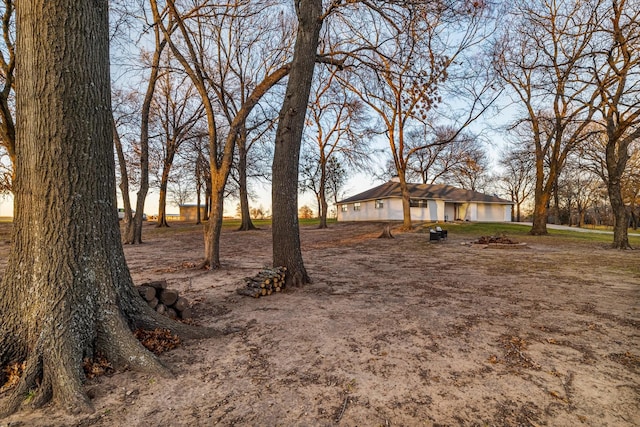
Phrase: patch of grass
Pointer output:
(487, 229)
(476, 229)
(581, 236)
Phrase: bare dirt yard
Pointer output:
(392, 332)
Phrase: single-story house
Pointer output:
(429, 202)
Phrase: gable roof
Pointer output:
(444, 192)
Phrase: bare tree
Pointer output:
(336, 125)
(616, 73)
(284, 193)
(132, 232)
(208, 72)
(518, 176)
(540, 58)
(405, 55)
(67, 292)
(122, 116)
(253, 160)
(449, 155)
(175, 114)
(578, 187)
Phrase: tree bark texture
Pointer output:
(213, 227)
(67, 293)
(616, 159)
(406, 201)
(541, 196)
(286, 232)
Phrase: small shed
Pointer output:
(190, 212)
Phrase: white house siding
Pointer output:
(391, 210)
(491, 212)
(468, 212)
(436, 210)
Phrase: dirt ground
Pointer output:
(392, 332)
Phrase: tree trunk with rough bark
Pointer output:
(406, 201)
(541, 200)
(284, 196)
(66, 293)
(213, 228)
(616, 158)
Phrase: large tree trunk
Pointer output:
(541, 199)
(284, 196)
(620, 227)
(67, 293)
(213, 227)
(406, 201)
(616, 158)
(540, 214)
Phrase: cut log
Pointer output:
(266, 282)
(186, 313)
(153, 303)
(158, 284)
(147, 292)
(161, 308)
(251, 292)
(171, 313)
(168, 296)
(181, 304)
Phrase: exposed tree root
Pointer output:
(208, 265)
(58, 376)
(297, 279)
(247, 227)
(386, 232)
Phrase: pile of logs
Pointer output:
(264, 283)
(485, 240)
(165, 301)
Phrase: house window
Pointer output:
(415, 203)
(379, 204)
(356, 206)
(344, 208)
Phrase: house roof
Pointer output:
(444, 192)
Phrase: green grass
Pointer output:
(487, 229)
(477, 229)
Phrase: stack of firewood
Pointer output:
(165, 301)
(264, 283)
